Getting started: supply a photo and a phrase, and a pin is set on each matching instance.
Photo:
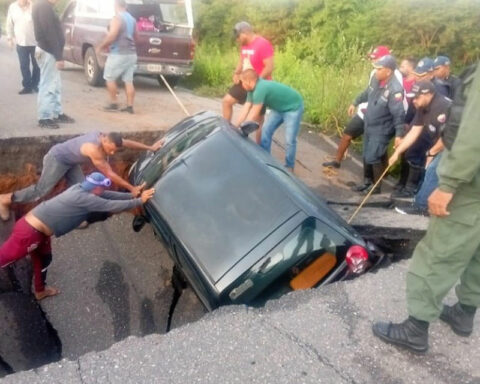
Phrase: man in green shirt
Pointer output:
(450, 251)
(286, 107)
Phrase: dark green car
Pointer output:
(239, 227)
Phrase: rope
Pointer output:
(368, 195)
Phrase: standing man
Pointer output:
(122, 58)
(50, 41)
(355, 126)
(384, 117)
(58, 216)
(64, 160)
(286, 106)
(256, 53)
(450, 249)
(426, 127)
(447, 83)
(20, 32)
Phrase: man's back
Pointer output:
(48, 29)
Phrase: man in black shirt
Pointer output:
(428, 122)
(49, 54)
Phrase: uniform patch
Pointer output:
(432, 128)
(386, 93)
(442, 118)
(398, 96)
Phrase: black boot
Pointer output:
(367, 183)
(402, 181)
(377, 170)
(367, 178)
(459, 317)
(412, 334)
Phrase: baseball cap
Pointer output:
(240, 27)
(441, 60)
(424, 66)
(421, 88)
(386, 62)
(95, 179)
(379, 52)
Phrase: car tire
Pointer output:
(171, 80)
(93, 71)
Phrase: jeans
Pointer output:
(430, 183)
(292, 121)
(52, 172)
(49, 100)
(30, 78)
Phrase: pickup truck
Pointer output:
(164, 36)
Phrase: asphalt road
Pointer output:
(116, 283)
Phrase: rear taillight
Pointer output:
(192, 49)
(357, 259)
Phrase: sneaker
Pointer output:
(128, 109)
(112, 107)
(64, 119)
(411, 209)
(367, 190)
(333, 164)
(48, 123)
(25, 91)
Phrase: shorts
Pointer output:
(120, 65)
(240, 94)
(354, 127)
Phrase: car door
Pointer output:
(68, 25)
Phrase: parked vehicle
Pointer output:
(239, 227)
(164, 27)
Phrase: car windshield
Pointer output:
(171, 11)
(178, 145)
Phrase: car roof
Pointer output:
(242, 195)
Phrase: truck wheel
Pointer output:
(171, 80)
(93, 72)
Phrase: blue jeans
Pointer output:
(49, 100)
(430, 183)
(292, 121)
(30, 78)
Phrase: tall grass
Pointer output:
(327, 90)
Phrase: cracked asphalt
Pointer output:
(317, 336)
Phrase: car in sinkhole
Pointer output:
(239, 227)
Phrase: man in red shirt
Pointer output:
(256, 53)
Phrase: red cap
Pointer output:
(379, 52)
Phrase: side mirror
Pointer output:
(248, 127)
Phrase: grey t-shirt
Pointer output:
(69, 153)
(69, 209)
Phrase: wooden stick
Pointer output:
(174, 95)
(368, 195)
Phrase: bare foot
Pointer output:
(48, 291)
(5, 201)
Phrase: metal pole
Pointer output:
(174, 95)
(368, 195)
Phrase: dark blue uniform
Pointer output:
(432, 119)
(384, 117)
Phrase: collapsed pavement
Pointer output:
(321, 335)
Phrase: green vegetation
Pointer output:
(321, 45)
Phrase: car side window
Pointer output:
(178, 146)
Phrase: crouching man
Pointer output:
(58, 216)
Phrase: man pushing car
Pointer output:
(58, 216)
